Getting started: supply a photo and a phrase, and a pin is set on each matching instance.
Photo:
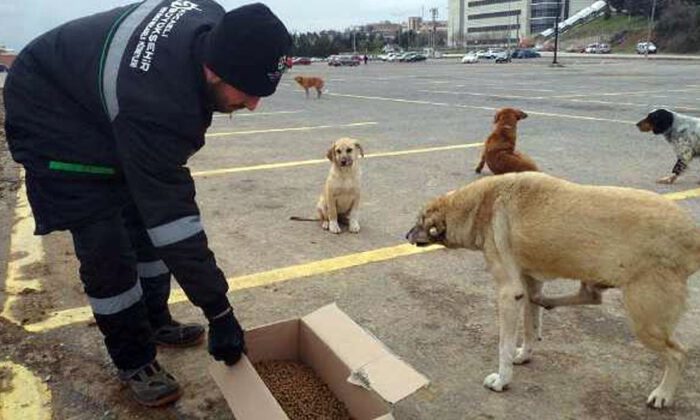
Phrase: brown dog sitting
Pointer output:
(311, 82)
(499, 149)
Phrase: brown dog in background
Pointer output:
(311, 82)
(499, 149)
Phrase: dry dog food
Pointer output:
(300, 393)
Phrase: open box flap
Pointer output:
(372, 365)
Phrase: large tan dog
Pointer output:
(533, 227)
(340, 199)
(308, 82)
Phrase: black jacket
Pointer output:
(109, 108)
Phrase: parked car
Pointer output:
(301, 60)
(597, 48)
(412, 57)
(470, 58)
(491, 53)
(502, 57)
(525, 53)
(343, 60)
(642, 48)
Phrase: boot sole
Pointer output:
(192, 343)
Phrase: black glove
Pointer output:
(226, 340)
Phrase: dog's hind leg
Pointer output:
(532, 322)
(318, 93)
(588, 294)
(654, 306)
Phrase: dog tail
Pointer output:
(304, 219)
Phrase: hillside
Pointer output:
(620, 31)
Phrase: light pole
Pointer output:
(556, 34)
(651, 24)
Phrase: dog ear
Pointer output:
(359, 146)
(661, 120)
(330, 153)
(497, 116)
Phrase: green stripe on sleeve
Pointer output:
(79, 167)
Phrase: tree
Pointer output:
(678, 28)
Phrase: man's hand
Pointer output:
(226, 342)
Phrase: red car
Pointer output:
(301, 60)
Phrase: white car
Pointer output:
(470, 58)
(597, 48)
(642, 48)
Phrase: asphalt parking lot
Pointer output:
(420, 125)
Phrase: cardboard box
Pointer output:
(362, 373)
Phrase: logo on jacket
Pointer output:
(185, 5)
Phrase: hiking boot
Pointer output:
(175, 334)
(151, 385)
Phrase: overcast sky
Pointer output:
(22, 20)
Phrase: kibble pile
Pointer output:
(300, 393)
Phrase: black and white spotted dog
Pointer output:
(681, 131)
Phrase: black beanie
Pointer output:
(247, 48)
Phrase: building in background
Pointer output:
(7, 57)
(414, 23)
(387, 29)
(501, 22)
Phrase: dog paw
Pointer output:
(354, 226)
(324, 225)
(666, 180)
(660, 398)
(542, 302)
(333, 227)
(494, 382)
(522, 356)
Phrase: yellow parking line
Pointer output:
(683, 195)
(284, 130)
(485, 108)
(282, 165)
(83, 314)
(24, 395)
(26, 255)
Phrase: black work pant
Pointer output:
(127, 285)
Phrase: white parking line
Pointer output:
(254, 114)
(490, 95)
(284, 130)
(558, 98)
(620, 93)
(485, 108)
